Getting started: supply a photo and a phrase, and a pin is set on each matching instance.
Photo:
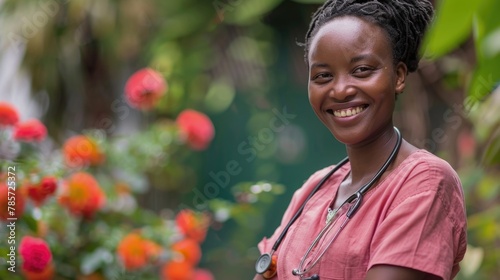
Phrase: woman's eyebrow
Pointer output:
(360, 58)
(319, 64)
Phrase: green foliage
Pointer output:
(454, 23)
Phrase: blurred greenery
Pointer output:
(237, 60)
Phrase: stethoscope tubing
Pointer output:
(357, 197)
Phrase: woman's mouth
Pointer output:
(348, 112)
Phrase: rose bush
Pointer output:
(77, 209)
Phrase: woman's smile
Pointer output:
(348, 112)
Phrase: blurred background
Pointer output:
(237, 63)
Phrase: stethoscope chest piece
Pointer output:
(266, 265)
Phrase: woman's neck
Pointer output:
(368, 158)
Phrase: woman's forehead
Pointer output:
(349, 35)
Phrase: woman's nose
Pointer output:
(341, 89)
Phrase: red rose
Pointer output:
(8, 114)
(30, 131)
(35, 253)
(197, 129)
(38, 193)
(144, 88)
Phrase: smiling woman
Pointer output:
(392, 211)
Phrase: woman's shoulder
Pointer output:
(424, 162)
(423, 172)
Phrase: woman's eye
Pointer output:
(322, 77)
(363, 71)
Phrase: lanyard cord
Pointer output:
(361, 191)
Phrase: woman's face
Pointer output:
(353, 80)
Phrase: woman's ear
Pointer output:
(401, 73)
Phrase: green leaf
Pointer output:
(452, 25)
(491, 156)
(243, 11)
(486, 28)
(30, 222)
(485, 76)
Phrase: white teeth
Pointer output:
(348, 112)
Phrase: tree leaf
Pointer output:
(485, 77)
(452, 25)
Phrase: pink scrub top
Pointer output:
(415, 217)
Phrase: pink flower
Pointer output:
(8, 114)
(144, 88)
(30, 131)
(35, 253)
(197, 129)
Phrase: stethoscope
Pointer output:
(266, 264)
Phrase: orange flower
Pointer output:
(13, 199)
(35, 253)
(39, 192)
(80, 151)
(8, 115)
(30, 131)
(82, 195)
(144, 88)
(193, 225)
(136, 251)
(175, 270)
(197, 129)
(189, 249)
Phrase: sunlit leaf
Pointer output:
(453, 24)
(486, 24)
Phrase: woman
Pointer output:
(408, 220)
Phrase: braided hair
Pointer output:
(405, 22)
